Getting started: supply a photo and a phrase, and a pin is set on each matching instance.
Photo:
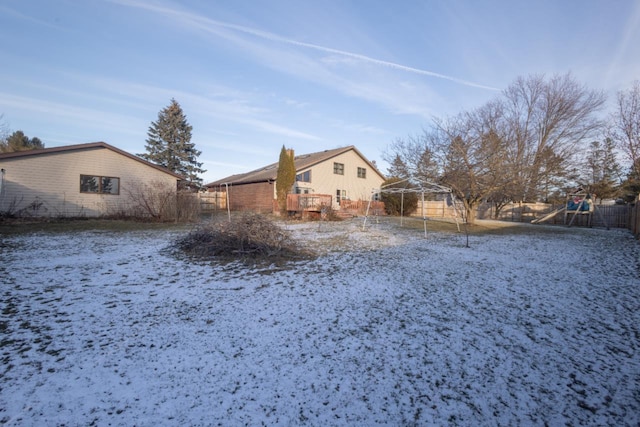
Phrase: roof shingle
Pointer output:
(270, 172)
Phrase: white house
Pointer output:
(342, 173)
(94, 179)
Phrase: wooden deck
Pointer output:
(308, 202)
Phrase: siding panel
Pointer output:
(324, 181)
(49, 184)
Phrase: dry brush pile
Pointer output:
(248, 236)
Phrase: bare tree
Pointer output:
(474, 153)
(465, 152)
(514, 148)
(625, 127)
(4, 128)
(549, 121)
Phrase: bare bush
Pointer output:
(187, 206)
(249, 235)
(161, 202)
(155, 200)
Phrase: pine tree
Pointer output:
(602, 169)
(285, 178)
(169, 145)
(18, 141)
(398, 168)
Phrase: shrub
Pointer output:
(394, 202)
(161, 202)
(249, 235)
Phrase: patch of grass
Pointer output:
(479, 228)
(27, 226)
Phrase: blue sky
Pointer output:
(253, 75)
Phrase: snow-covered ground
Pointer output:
(386, 328)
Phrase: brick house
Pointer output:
(341, 174)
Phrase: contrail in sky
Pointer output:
(274, 37)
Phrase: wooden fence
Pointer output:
(212, 201)
(359, 207)
(634, 219)
(615, 216)
(438, 209)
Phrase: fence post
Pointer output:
(635, 218)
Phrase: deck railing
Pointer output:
(307, 202)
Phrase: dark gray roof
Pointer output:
(88, 146)
(303, 161)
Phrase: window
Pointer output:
(99, 184)
(303, 190)
(362, 172)
(341, 195)
(304, 176)
(338, 168)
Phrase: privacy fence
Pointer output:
(211, 202)
(614, 216)
(634, 220)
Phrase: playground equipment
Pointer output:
(578, 203)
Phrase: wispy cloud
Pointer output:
(204, 23)
(626, 47)
(232, 110)
(8, 11)
(66, 111)
(228, 105)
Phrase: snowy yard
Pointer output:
(386, 328)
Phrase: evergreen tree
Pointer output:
(630, 188)
(285, 178)
(398, 168)
(169, 145)
(603, 171)
(18, 141)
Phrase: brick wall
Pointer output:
(257, 197)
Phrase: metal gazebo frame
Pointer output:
(415, 186)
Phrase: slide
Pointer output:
(548, 216)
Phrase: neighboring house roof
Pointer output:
(302, 162)
(80, 147)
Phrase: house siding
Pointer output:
(325, 181)
(48, 184)
(255, 190)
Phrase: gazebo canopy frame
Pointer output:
(416, 186)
